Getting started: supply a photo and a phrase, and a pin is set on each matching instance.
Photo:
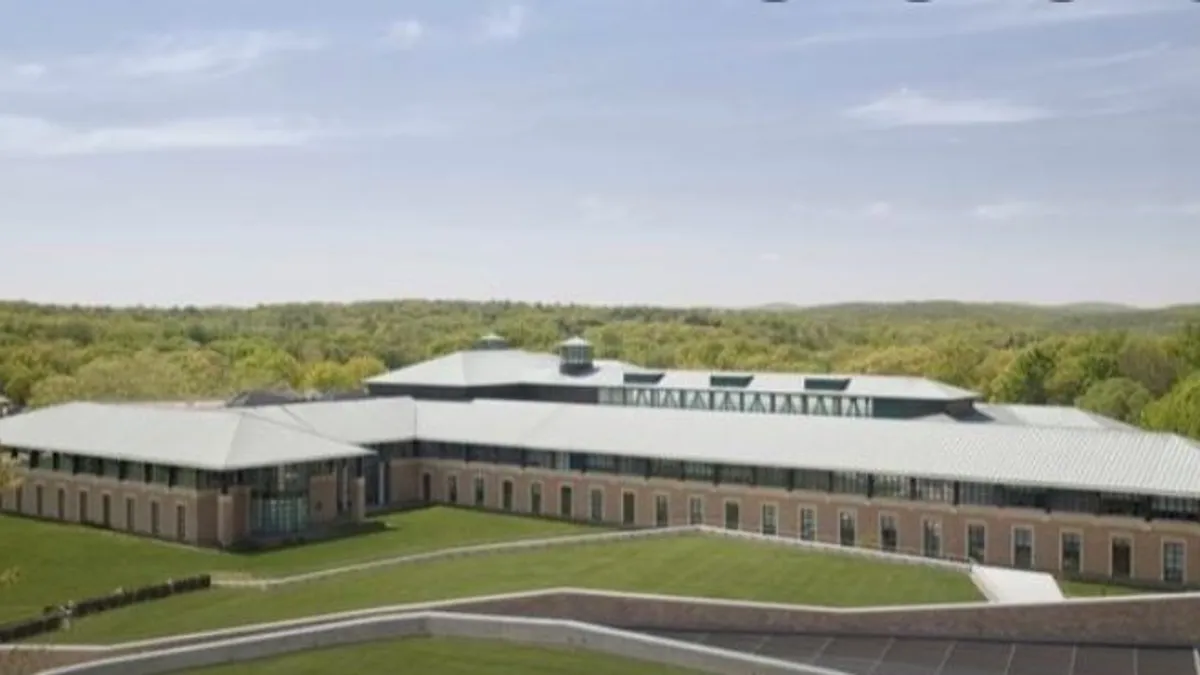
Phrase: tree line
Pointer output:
(1138, 366)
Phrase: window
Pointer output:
(596, 505)
(1174, 562)
(847, 528)
(566, 497)
(1121, 557)
(130, 514)
(662, 511)
(741, 475)
(37, 501)
(480, 491)
(83, 506)
(1070, 556)
(506, 495)
(154, 519)
(770, 520)
(934, 490)
(695, 510)
(694, 471)
(808, 523)
(452, 489)
(931, 538)
(851, 483)
(977, 542)
(892, 487)
(628, 508)
(181, 522)
(1022, 548)
(535, 499)
(889, 536)
(106, 510)
(733, 516)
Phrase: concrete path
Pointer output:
(1003, 585)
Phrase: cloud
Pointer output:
(875, 212)
(910, 108)
(973, 17)
(769, 257)
(181, 55)
(1132, 56)
(21, 75)
(405, 33)
(506, 24)
(1009, 210)
(211, 54)
(37, 137)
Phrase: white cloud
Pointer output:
(877, 211)
(21, 75)
(969, 17)
(1009, 210)
(603, 212)
(206, 54)
(1192, 209)
(506, 24)
(37, 137)
(405, 34)
(911, 108)
(769, 257)
(163, 56)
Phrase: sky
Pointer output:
(672, 152)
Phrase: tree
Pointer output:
(10, 478)
(1148, 362)
(1024, 381)
(1119, 398)
(1178, 411)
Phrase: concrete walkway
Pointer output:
(1003, 585)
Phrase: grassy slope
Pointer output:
(693, 565)
(1083, 589)
(445, 657)
(59, 562)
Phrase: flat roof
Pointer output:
(474, 368)
(193, 438)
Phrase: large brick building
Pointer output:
(899, 463)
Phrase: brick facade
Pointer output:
(175, 513)
(1096, 533)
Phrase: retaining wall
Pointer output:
(1161, 620)
(507, 629)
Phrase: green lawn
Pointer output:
(1083, 589)
(445, 656)
(683, 565)
(59, 562)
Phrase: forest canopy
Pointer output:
(1138, 366)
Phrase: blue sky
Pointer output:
(683, 152)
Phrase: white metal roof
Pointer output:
(1085, 459)
(1102, 459)
(214, 440)
(514, 366)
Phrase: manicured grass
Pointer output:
(59, 562)
(1082, 589)
(680, 565)
(445, 656)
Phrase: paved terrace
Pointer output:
(903, 656)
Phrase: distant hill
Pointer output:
(1075, 316)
